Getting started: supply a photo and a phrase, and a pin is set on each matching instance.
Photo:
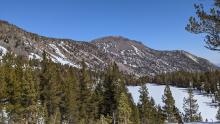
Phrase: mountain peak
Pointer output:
(3, 22)
(116, 39)
(111, 37)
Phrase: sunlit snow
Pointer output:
(57, 50)
(34, 56)
(191, 57)
(63, 61)
(156, 91)
(3, 50)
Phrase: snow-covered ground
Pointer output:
(156, 91)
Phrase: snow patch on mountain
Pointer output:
(192, 57)
(98, 58)
(105, 47)
(3, 50)
(57, 50)
(34, 56)
(123, 52)
(134, 66)
(63, 61)
(62, 45)
(137, 51)
(125, 62)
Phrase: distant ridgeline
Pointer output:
(132, 57)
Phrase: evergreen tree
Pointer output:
(104, 120)
(144, 105)
(68, 105)
(84, 96)
(178, 115)
(2, 95)
(160, 118)
(12, 88)
(113, 86)
(207, 23)
(97, 99)
(124, 109)
(135, 117)
(191, 107)
(50, 90)
(169, 107)
(28, 97)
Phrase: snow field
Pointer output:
(156, 91)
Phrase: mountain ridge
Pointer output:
(147, 57)
(131, 56)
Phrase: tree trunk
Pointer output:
(113, 118)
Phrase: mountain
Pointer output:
(62, 51)
(130, 55)
(136, 57)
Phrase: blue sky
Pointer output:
(159, 24)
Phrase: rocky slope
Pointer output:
(62, 51)
(130, 55)
(136, 57)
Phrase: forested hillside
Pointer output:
(33, 91)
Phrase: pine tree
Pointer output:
(84, 96)
(191, 107)
(178, 115)
(169, 107)
(50, 90)
(160, 116)
(68, 105)
(144, 105)
(2, 95)
(207, 23)
(12, 88)
(113, 86)
(124, 109)
(104, 120)
(28, 97)
(135, 117)
(97, 99)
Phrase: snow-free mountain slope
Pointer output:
(130, 55)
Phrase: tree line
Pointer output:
(203, 81)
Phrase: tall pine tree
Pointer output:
(124, 109)
(113, 86)
(145, 107)
(169, 107)
(191, 107)
(84, 96)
